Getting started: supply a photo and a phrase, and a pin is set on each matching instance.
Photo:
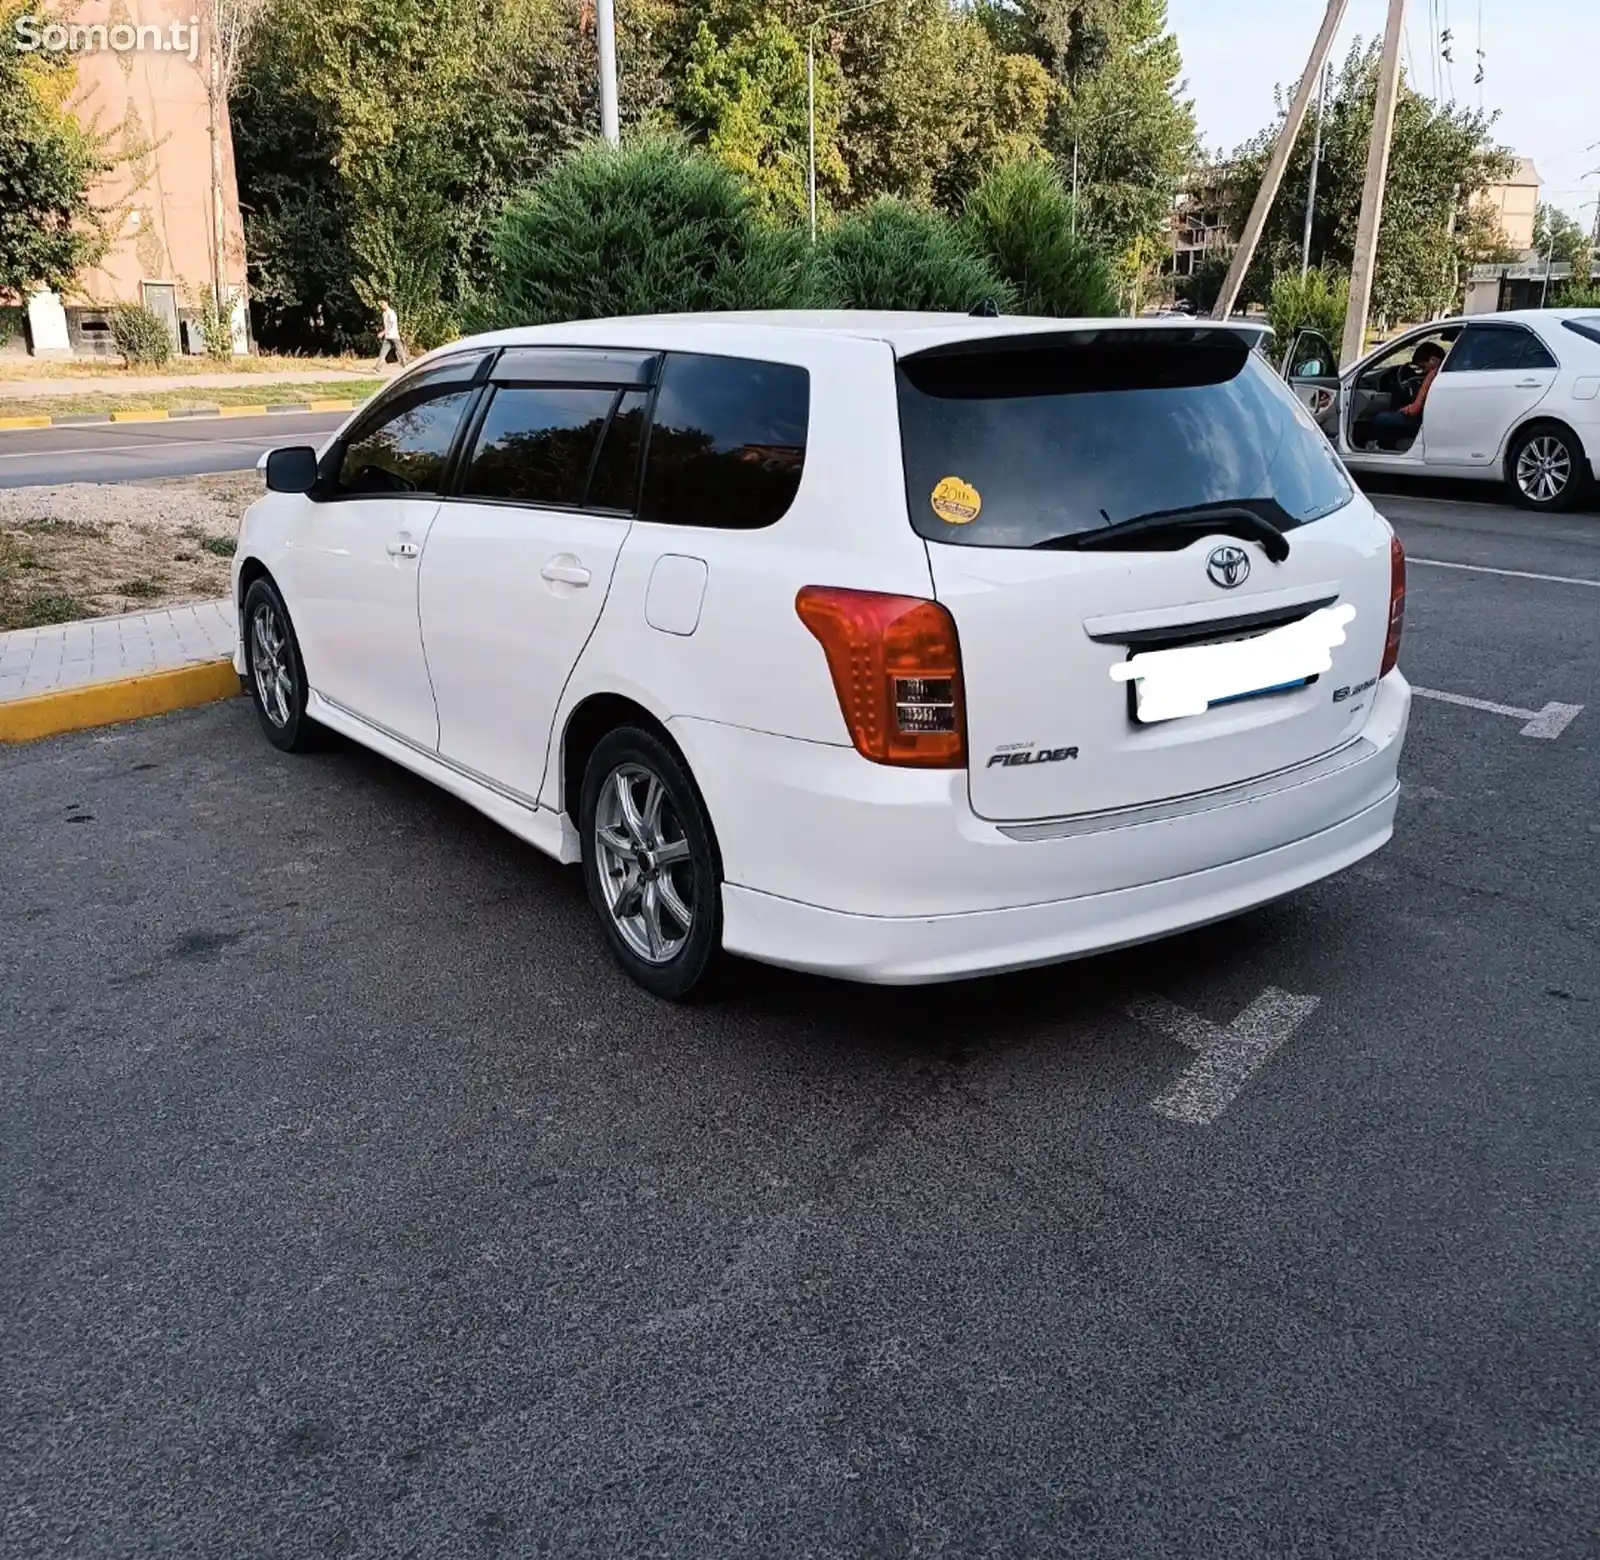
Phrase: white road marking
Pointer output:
(1547, 723)
(1229, 1057)
(159, 446)
(1511, 574)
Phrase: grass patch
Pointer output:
(140, 589)
(109, 370)
(41, 610)
(220, 546)
(98, 401)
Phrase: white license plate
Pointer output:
(1169, 684)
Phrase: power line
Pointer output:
(1447, 41)
(1478, 80)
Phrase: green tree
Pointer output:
(1558, 237)
(1320, 298)
(929, 101)
(650, 227)
(894, 255)
(1442, 159)
(377, 141)
(746, 100)
(49, 228)
(1020, 218)
(1119, 71)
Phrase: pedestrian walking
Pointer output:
(389, 337)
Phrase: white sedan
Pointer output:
(893, 647)
(1517, 401)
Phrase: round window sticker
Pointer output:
(956, 502)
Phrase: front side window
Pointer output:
(1016, 443)
(536, 444)
(1313, 357)
(727, 442)
(405, 450)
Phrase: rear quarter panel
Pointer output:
(749, 661)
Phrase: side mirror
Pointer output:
(292, 469)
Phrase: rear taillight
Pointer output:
(1397, 605)
(896, 668)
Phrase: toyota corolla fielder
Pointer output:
(894, 647)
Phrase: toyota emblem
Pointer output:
(1228, 567)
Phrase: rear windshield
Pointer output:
(1012, 444)
(1588, 326)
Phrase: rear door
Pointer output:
(520, 558)
(1495, 375)
(1017, 450)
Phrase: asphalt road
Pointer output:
(352, 1205)
(123, 452)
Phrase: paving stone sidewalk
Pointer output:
(72, 655)
(135, 384)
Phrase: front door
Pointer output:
(1312, 369)
(520, 558)
(1495, 375)
(358, 557)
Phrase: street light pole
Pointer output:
(811, 130)
(1316, 164)
(605, 30)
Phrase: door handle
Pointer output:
(1529, 384)
(565, 573)
(404, 549)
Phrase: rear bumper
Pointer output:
(897, 951)
(842, 867)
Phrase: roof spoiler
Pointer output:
(1187, 333)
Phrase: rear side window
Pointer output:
(727, 442)
(1486, 350)
(1010, 444)
(1535, 354)
(536, 445)
(1588, 327)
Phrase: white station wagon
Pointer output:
(899, 648)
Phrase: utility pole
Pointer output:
(1272, 180)
(605, 30)
(1371, 221)
(1316, 165)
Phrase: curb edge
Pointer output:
(111, 703)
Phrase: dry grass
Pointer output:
(20, 366)
(99, 401)
(97, 549)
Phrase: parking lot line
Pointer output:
(1229, 1057)
(1512, 574)
(1547, 723)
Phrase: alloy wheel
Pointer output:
(270, 664)
(645, 869)
(1544, 468)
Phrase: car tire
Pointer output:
(274, 671)
(651, 865)
(1546, 468)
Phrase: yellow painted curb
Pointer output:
(331, 406)
(109, 703)
(8, 423)
(242, 411)
(149, 414)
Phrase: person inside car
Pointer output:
(1404, 423)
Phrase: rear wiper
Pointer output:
(1221, 519)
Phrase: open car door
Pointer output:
(1312, 370)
